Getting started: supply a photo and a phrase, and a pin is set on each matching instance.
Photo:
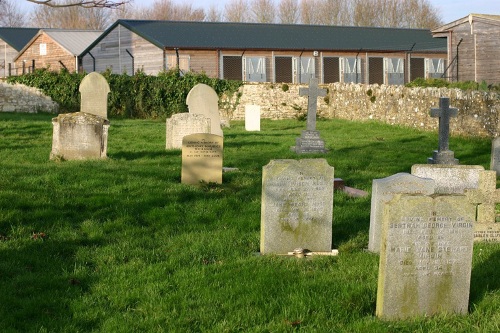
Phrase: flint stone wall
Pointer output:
(21, 98)
(478, 113)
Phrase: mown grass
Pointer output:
(121, 246)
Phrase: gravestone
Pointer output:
(203, 99)
(202, 155)
(450, 179)
(252, 117)
(297, 206)
(94, 91)
(383, 190)
(443, 155)
(486, 196)
(78, 136)
(182, 124)
(495, 155)
(310, 141)
(425, 257)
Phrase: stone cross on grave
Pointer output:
(486, 196)
(312, 93)
(444, 113)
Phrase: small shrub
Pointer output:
(285, 87)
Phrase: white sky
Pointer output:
(450, 10)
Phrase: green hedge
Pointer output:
(138, 96)
(464, 85)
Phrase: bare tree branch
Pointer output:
(82, 3)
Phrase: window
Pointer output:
(306, 70)
(255, 69)
(351, 68)
(395, 70)
(43, 49)
(434, 68)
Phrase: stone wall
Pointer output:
(21, 98)
(399, 105)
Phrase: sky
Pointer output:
(451, 10)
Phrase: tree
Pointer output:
(237, 11)
(71, 17)
(263, 11)
(288, 12)
(12, 16)
(80, 3)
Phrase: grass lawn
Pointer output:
(121, 246)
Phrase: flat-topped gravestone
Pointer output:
(252, 117)
(495, 155)
(310, 141)
(297, 206)
(203, 99)
(426, 256)
(450, 179)
(486, 196)
(443, 155)
(182, 124)
(94, 91)
(78, 136)
(383, 190)
(202, 155)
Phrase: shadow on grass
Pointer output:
(485, 278)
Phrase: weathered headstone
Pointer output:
(383, 190)
(450, 179)
(252, 117)
(203, 99)
(182, 124)
(94, 91)
(443, 155)
(495, 155)
(310, 141)
(78, 136)
(486, 196)
(425, 257)
(297, 206)
(202, 155)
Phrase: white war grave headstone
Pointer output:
(486, 196)
(310, 141)
(182, 124)
(252, 117)
(383, 190)
(425, 256)
(202, 155)
(84, 134)
(297, 206)
(202, 99)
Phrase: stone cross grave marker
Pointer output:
(310, 141)
(486, 196)
(182, 124)
(252, 117)
(297, 206)
(203, 99)
(443, 155)
(94, 91)
(383, 190)
(426, 256)
(202, 155)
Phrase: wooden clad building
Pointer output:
(473, 48)
(12, 40)
(268, 52)
(54, 49)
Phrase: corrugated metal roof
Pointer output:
(17, 37)
(74, 41)
(210, 35)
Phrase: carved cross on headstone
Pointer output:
(444, 113)
(312, 93)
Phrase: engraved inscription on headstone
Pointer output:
(202, 155)
(94, 91)
(297, 206)
(450, 179)
(383, 191)
(182, 124)
(443, 155)
(426, 256)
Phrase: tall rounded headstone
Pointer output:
(203, 99)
